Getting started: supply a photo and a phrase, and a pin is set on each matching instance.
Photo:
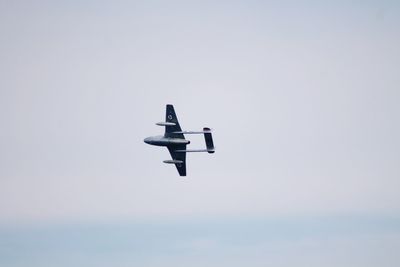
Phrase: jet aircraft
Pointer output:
(175, 141)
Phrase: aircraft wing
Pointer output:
(173, 130)
(179, 156)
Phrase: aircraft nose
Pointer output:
(147, 140)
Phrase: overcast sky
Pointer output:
(303, 98)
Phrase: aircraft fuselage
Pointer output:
(161, 140)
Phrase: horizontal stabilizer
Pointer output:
(209, 140)
(165, 123)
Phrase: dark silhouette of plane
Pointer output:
(175, 141)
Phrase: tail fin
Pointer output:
(209, 140)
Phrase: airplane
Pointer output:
(175, 141)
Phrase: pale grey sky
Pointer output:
(302, 96)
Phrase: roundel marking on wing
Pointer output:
(179, 165)
(170, 116)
